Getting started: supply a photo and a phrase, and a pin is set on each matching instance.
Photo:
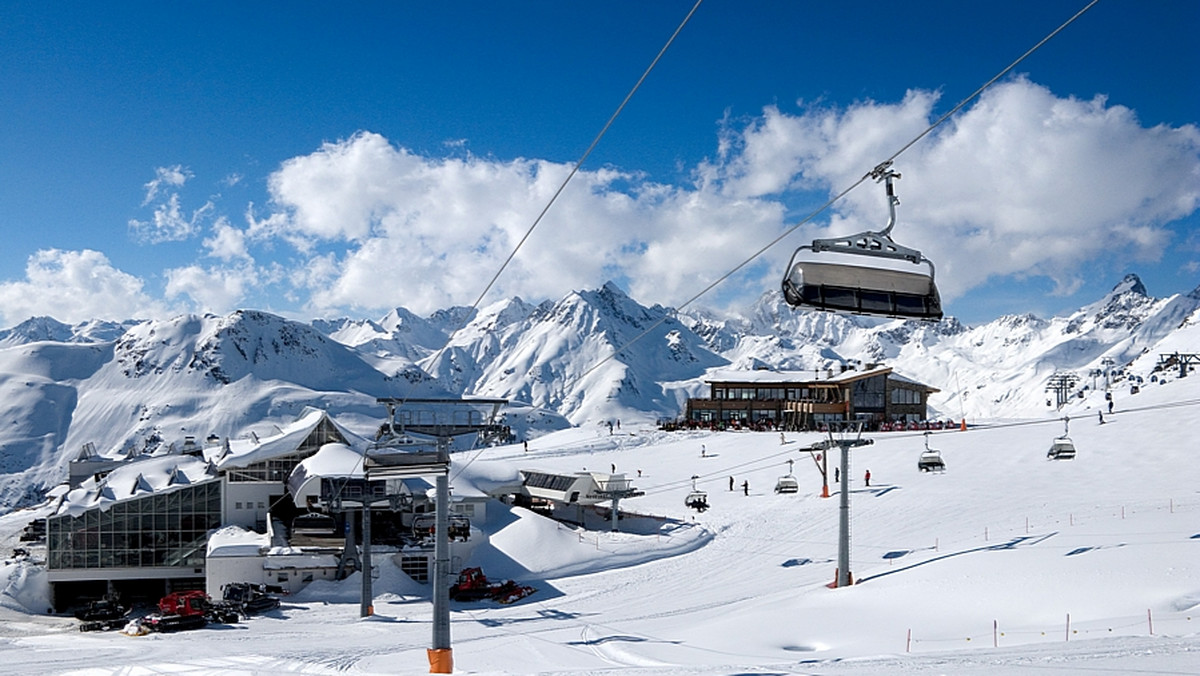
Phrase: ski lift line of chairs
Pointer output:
(931, 459)
(697, 499)
(1062, 448)
(841, 274)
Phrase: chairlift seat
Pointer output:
(697, 500)
(787, 484)
(931, 461)
(857, 289)
(1061, 449)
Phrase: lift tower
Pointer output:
(442, 419)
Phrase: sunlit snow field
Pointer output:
(1008, 563)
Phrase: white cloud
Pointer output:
(169, 224)
(174, 176)
(227, 242)
(74, 286)
(1020, 184)
(212, 289)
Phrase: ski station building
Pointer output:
(234, 510)
(806, 400)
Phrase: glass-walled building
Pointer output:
(167, 529)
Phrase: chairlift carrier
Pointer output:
(931, 459)
(851, 281)
(1062, 448)
(697, 499)
(787, 483)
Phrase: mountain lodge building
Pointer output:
(805, 400)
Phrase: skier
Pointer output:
(703, 451)
(746, 487)
(730, 483)
(867, 478)
(1101, 413)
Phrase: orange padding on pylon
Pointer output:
(964, 425)
(441, 661)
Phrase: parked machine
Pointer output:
(931, 459)
(181, 611)
(473, 585)
(102, 615)
(249, 599)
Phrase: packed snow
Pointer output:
(1006, 563)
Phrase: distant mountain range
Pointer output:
(132, 387)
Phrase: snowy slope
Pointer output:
(1008, 563)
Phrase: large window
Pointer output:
(905, 396)
(168, 529)
(868, 393)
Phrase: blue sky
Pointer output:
(316, 161)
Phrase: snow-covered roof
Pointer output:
(242, 452)
(237, 541)
(339, 461)
(909, 381)
(135, 479)
(332, 461)
(768, 377)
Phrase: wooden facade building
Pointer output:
(804, 400)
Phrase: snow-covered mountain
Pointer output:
(589, 357)
(160, 381)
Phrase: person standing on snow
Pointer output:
(746, 487)
(867, 478)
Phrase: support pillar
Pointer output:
(367, 607)
(441, 659)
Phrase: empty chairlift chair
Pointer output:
(931, 459)
(866, 273)
(1062, 448)
(787, 483)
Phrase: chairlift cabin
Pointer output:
(866, 273)
(314, 524)
(931, 459)
(787, 483)
(1062, 448)
(697, 499)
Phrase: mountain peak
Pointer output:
(1130, 284)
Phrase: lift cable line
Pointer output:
(562, 186)
(878, 170)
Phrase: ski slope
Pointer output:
(1008, 563)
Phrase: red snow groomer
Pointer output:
(180, 611)
(473, 585)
